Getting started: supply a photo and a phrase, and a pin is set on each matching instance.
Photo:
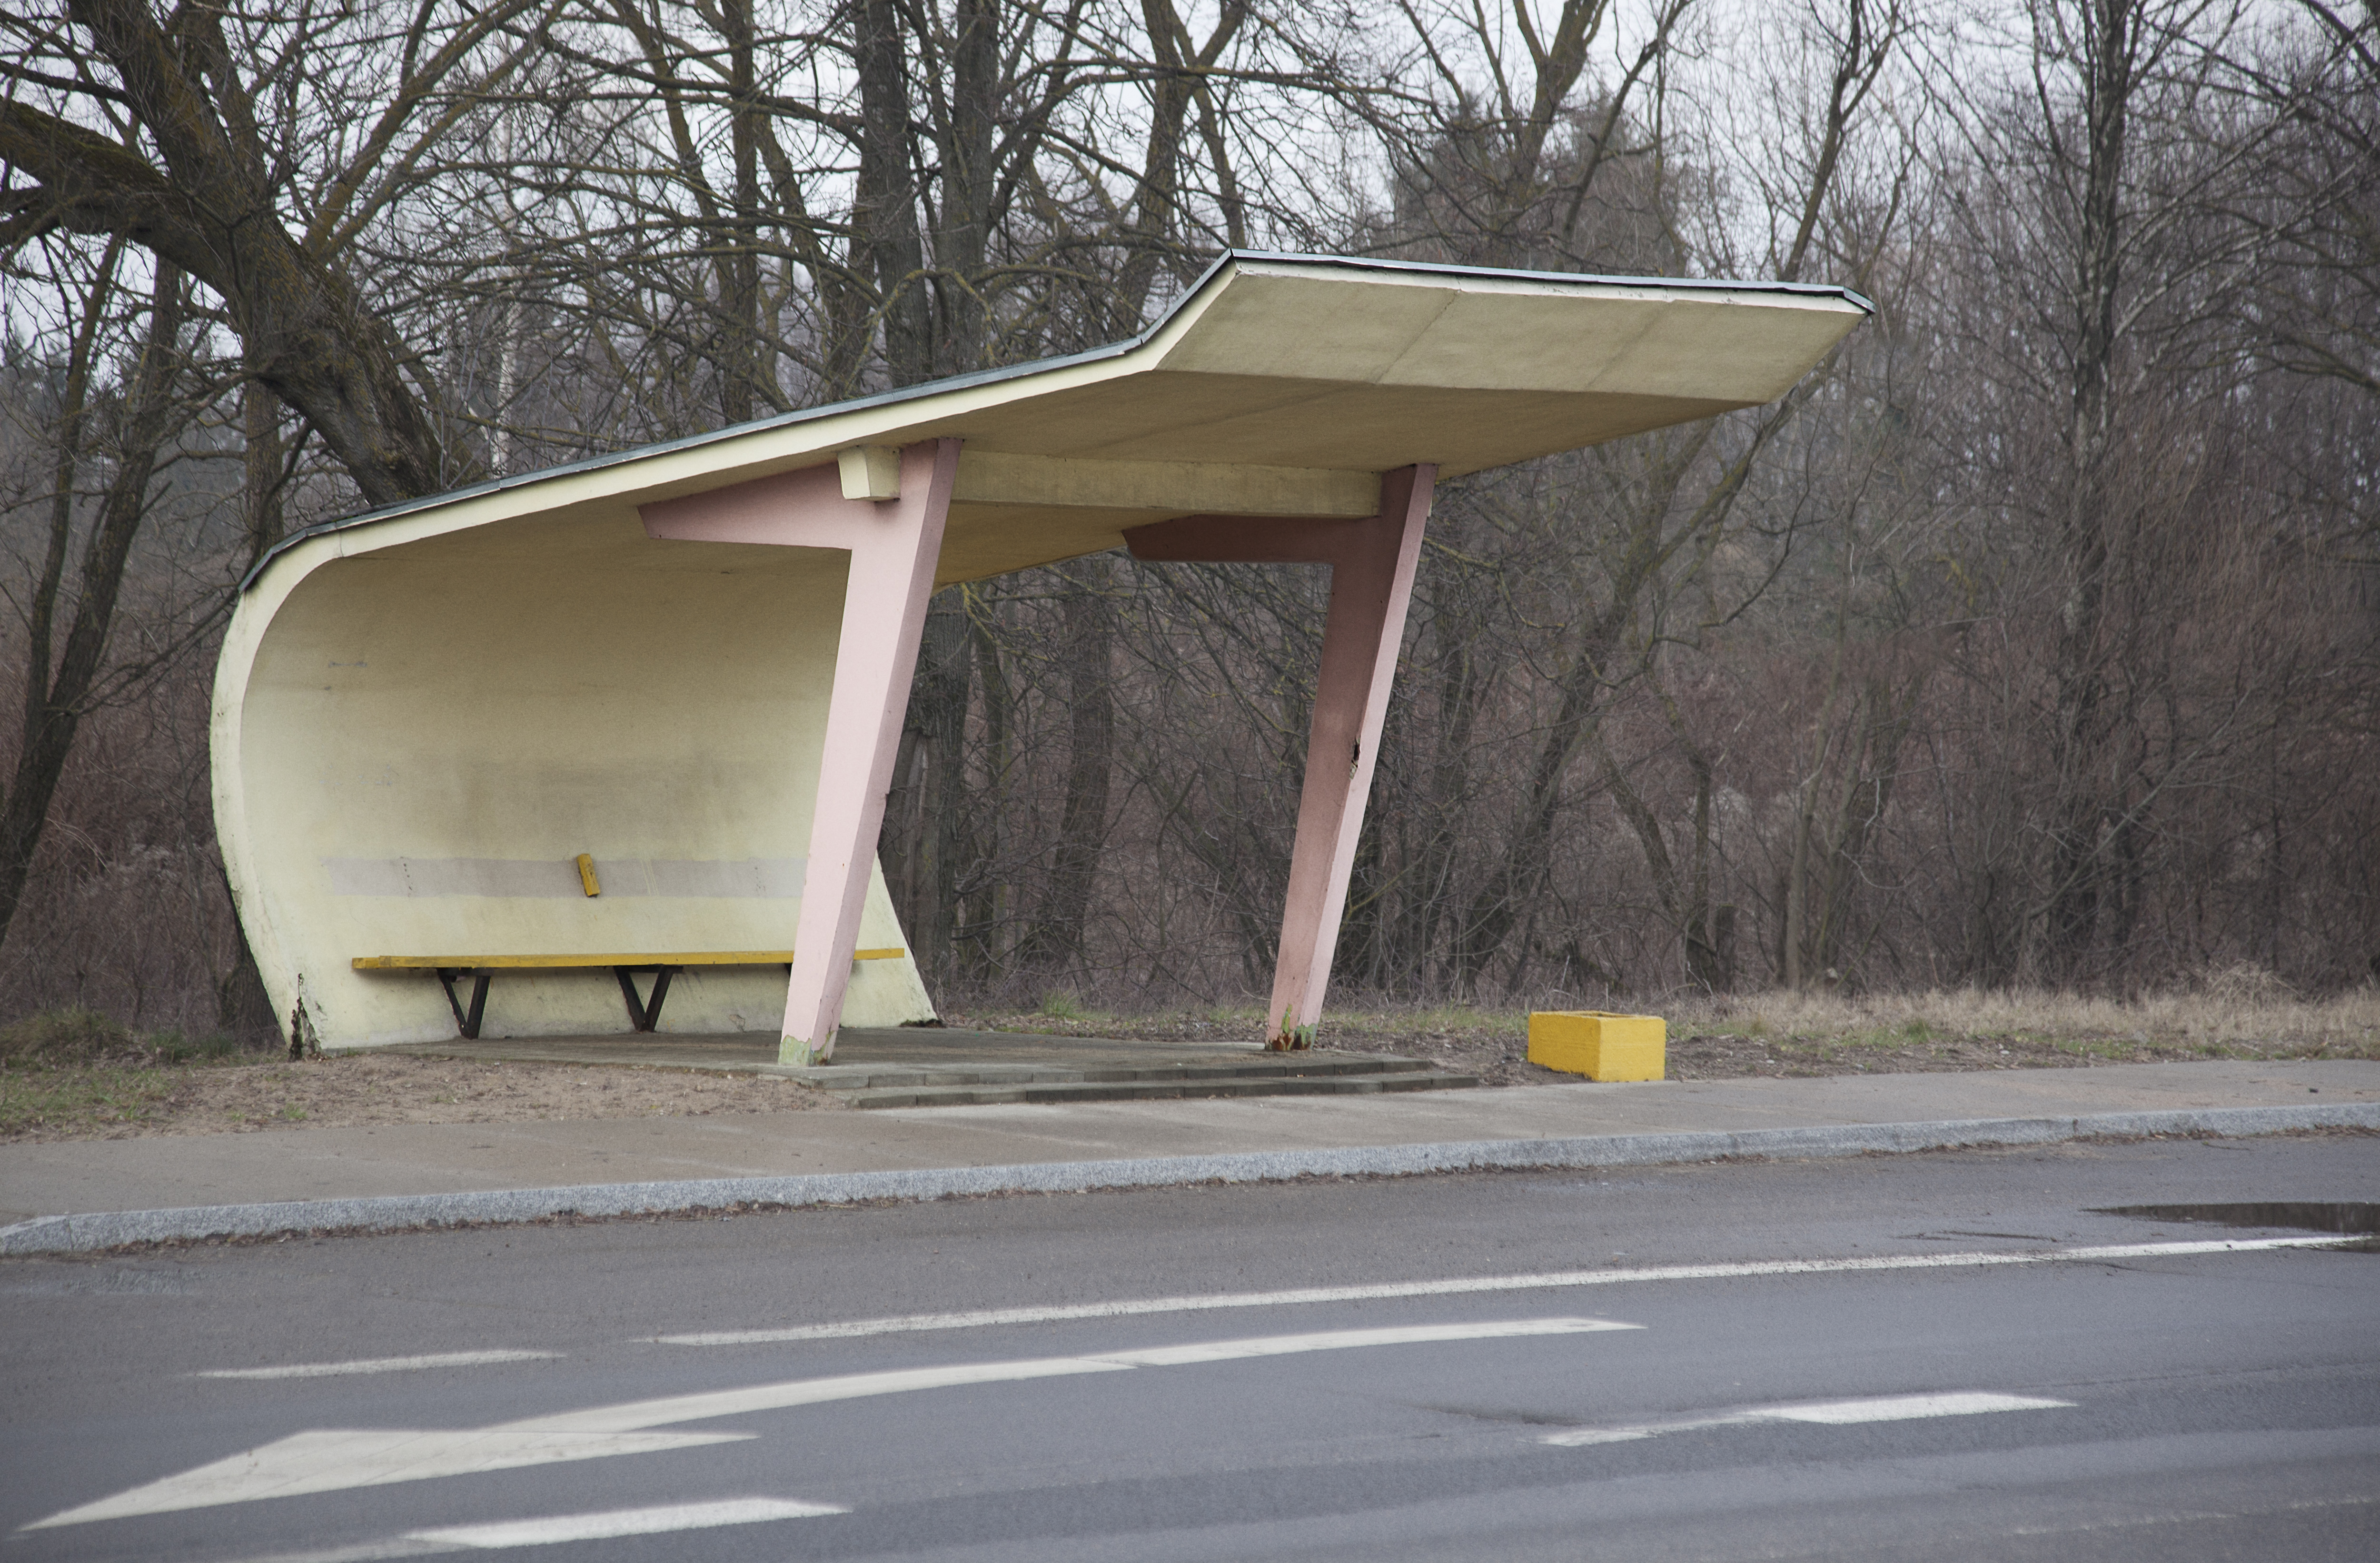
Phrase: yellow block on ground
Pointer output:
(1599, 1045)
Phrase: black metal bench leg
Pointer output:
(466, 1022)
(628, 996)
(644, 1013)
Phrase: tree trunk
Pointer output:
(242, 1007)
(261, 474)
(1461, 619)
(924, 841)
(1089, 651)
(983, 903)
(212, 213)
(55, 702)
(2079, 736)
(963, 230)
(884, 209)
(745, 373)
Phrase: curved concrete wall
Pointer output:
(414, 743)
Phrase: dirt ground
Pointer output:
(75, 1076)
(245, 1096)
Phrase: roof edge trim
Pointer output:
(1709, 284)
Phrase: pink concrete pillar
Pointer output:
(1371, 586)
(893, 545)
(1372, 565)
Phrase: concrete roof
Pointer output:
(1279, 385)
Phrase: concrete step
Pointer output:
(1406, 1075)
(1108, 1072)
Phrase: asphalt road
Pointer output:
(1836, 1383)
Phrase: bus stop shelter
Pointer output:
(539, 754)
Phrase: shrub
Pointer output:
(67, 1036)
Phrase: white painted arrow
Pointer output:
(328, 1460)
(324, 1462)
(1831, 1413)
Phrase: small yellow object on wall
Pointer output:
(1599, 1045)
(586, 880)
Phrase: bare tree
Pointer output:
(197, 182)
(63, 677)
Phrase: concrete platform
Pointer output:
(935, 1066)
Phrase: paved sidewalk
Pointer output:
(175, 1171)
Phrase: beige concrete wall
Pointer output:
(414, 743)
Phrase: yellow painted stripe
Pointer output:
(571, 962)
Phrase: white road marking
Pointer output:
(361, 1552)
(625, 1522)
(1130, 1307)
(380, 1364)
(325, 1460)
(1834, 1414)
(561, 1528)
(1904, 1408)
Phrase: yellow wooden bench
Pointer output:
(644, 1013)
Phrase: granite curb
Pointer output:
(99, 1230)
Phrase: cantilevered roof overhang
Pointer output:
(640, 713)
(1279, 385)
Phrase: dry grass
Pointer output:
(2233, 1015)
(77, 1067)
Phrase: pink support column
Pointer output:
(1371, 586)
(893, 545)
